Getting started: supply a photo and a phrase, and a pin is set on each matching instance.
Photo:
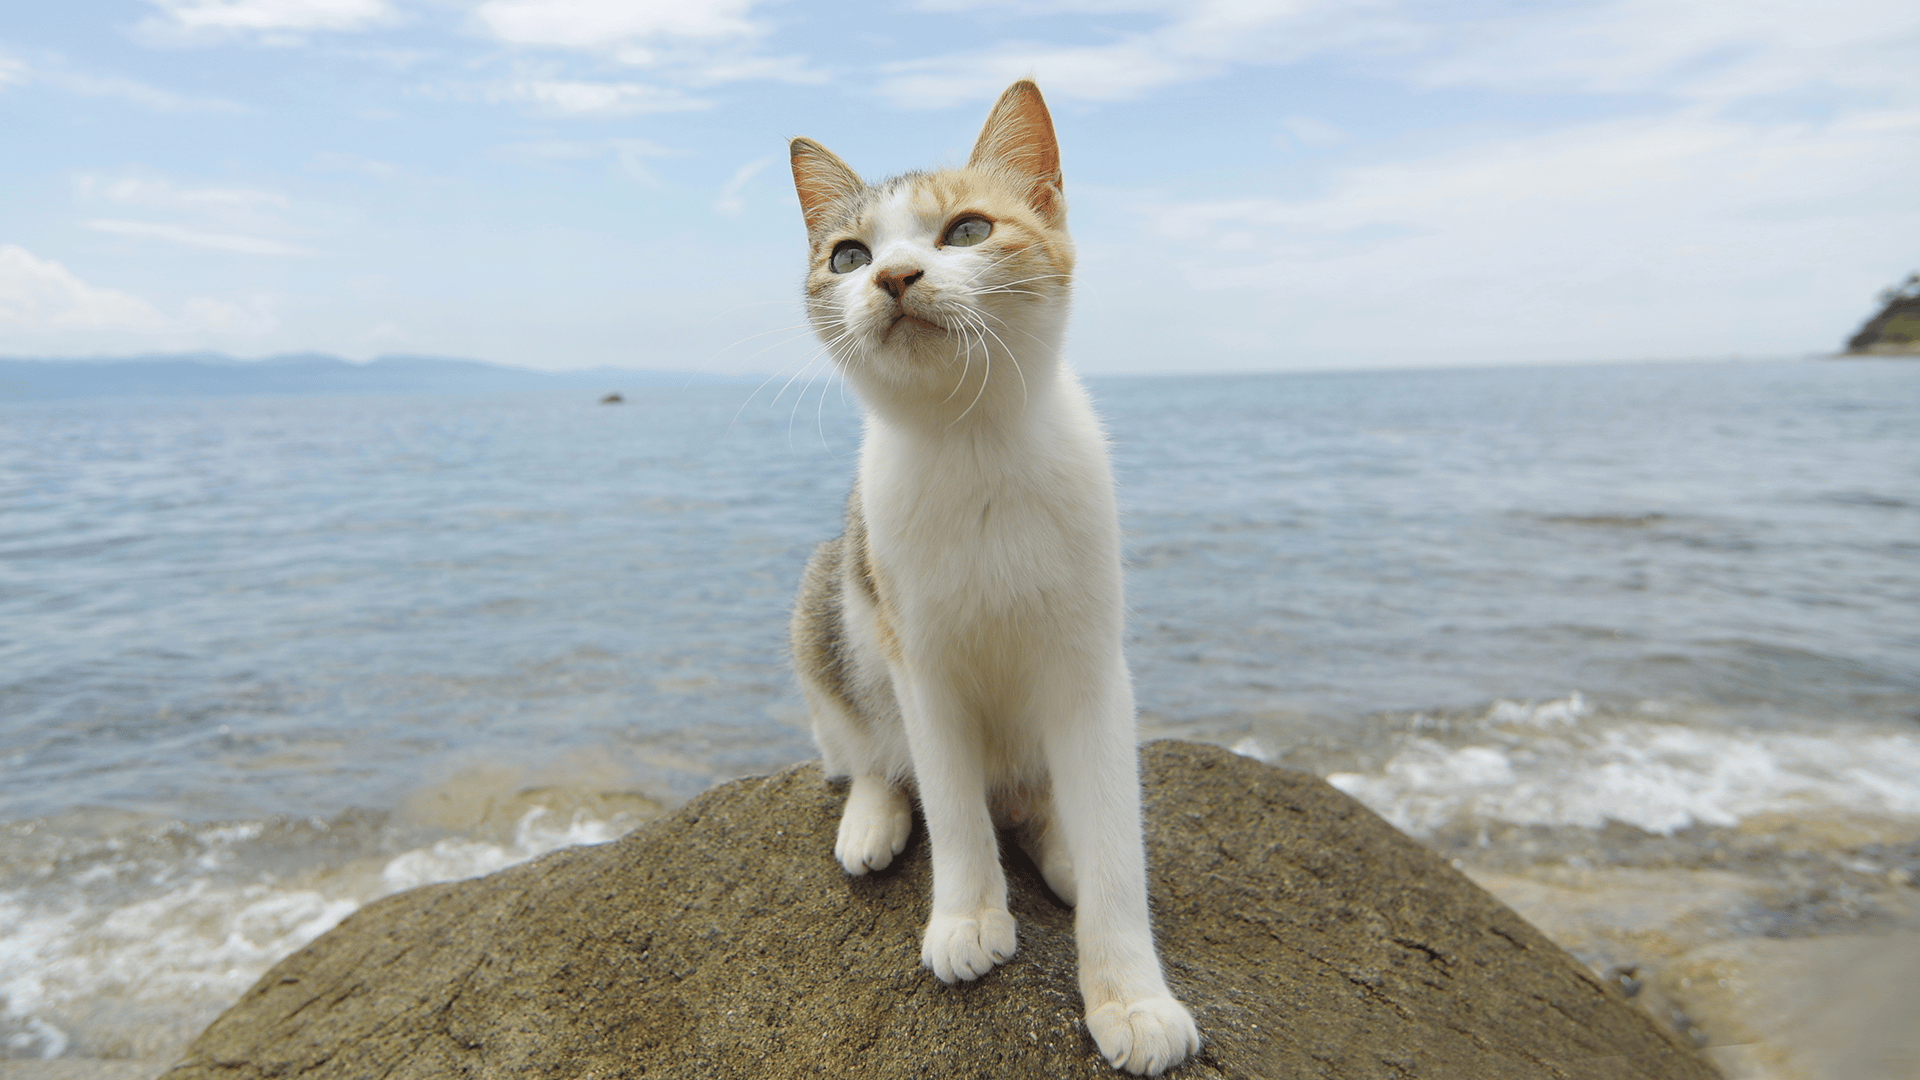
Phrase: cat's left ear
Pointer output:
(822, 179)
(1019, 135)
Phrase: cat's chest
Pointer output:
(961, 532)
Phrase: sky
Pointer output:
(1299, 184)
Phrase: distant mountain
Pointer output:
(212, 374)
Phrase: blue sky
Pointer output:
(1302, 184)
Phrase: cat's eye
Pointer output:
(969, 231)
(850, 255)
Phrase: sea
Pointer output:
(1644, 638)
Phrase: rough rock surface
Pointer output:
(1310, 938)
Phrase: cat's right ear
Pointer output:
(822, 179)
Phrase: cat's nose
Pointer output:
(896, 282)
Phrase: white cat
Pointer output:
(965, 634)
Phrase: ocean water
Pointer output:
(263, 660)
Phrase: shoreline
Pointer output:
(1745, 938)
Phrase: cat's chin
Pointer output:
(912, 325)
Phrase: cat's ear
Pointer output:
(821, 179)
(1019, 135)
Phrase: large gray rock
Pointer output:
(1309, 937)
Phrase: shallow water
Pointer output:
(262, 660)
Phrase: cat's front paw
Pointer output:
(874, 826)
(959, 947)
(1148, 1036)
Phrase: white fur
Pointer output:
(993, 534)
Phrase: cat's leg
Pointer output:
(855, 720)
(877, 817)
(1094, 766)
(969, 930)
(874, 825)
(1046, 844)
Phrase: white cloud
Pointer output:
(272, 21)
(151, 192)
(729, 202)
(40, 296)
(701, 42)
(244, 221)
(15, 72)
(1686, 228)
(1200, 39)
(140, 94)
(186, 236)
(1307, 131)
(573, 97)
(629, 154)
(621, 27)
(1700, 49)
(203, 315)
(334, 161)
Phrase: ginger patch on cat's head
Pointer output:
(947, 267)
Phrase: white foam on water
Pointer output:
(1251, 747)
(452, 860)
(1539, 766)
(199, 943)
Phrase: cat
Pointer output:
(964, 635)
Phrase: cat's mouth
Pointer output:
(912, 322)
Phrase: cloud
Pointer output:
(573, 97)
(623, 28)
(1198, 40)
(239, 220)
(701, 42)
(729, 202)
(629, 154)
(334, 161)
(14, 72)
(1680, 226)
(1700, 50)
(158, 194)
(197, 238)
(269, 21)
(1306, 131)
(40, 295)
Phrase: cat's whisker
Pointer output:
(986, 376)
(805, 327)
(763, 385)
(794, 413)
(796, 375)
(1010, 356)
(966, 365)
(1012, 329)
(820, 422)
(807, 362)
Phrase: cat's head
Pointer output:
(946, 286)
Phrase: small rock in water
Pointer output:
(1626, 977)
(612, 399)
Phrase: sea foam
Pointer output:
(1540, 765)
(167, 963)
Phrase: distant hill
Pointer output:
(1896, 330)
(213, 374)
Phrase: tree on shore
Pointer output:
(1896, 329)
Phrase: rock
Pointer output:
(1309, 937)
